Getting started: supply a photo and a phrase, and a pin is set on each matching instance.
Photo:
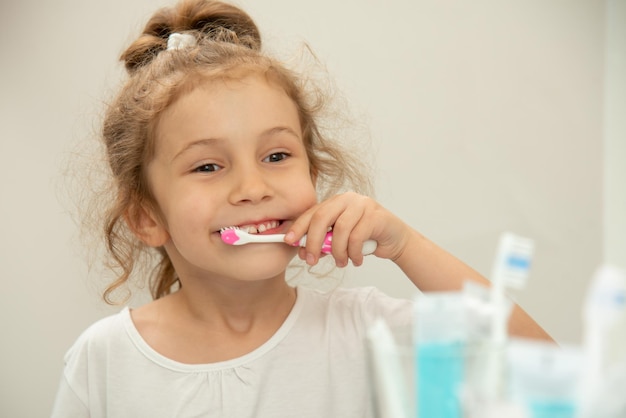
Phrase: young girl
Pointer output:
(210, 133)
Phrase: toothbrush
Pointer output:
(510, 269)
(393, 399)
(236, 236)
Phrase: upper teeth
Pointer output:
(255, 229)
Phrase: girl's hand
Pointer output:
(354, 219)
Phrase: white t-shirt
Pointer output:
(314, 366)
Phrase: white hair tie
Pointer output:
(181, 40)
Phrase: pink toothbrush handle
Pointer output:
(327, 245)
(369, 246)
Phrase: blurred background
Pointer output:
(482, 117)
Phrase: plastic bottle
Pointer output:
(604, 343)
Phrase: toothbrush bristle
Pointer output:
(228, 227)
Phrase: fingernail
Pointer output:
(310, 259)
(289, 237)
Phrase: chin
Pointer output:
(263, 265)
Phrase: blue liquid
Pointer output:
(552, 409)
(440, 374)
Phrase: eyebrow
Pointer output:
(280, 129)
(208, 142)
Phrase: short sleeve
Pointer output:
(67, 403)
(397, 312)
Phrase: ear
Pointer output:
(146, 226)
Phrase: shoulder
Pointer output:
(367, 296)
(90, 352)
(98, 337)
(364, 304)
(105, 327)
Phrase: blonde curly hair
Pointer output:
(228, 45)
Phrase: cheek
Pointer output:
(307, 195)
(194, 207)
(186, 210)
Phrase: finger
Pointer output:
(302, 253)
(342, 233)
(301, 225)
(361, 232)
(315, 222)
(319, 225)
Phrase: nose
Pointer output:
(250, 186)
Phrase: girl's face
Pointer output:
(229, 153)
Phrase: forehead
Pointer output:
(226, 108)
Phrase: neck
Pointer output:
(210, 323)
(238, 306)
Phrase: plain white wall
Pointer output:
(483, 116)
(615, 134)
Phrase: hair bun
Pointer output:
(211, 19)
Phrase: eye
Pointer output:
(276, 157)
(206, 168)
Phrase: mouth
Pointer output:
(266, 227)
